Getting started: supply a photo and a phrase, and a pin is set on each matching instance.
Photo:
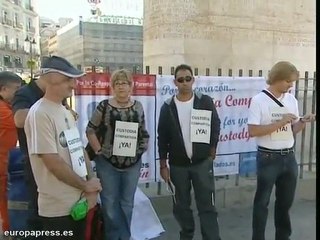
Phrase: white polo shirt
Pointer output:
(262, 111)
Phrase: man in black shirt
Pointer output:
(190, 157)
(24, 98)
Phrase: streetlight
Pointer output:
(31, 41)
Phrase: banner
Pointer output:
(231, 96)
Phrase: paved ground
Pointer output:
(235, 223)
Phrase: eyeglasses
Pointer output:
(121, 83)
(183, 79)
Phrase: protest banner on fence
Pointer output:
(231, 96)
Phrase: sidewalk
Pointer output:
(235, 223)
(234, 205)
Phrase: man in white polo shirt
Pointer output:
(274, 120)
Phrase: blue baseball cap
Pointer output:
(59, 65)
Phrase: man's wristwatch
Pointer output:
(98, 152)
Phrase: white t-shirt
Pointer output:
(260, 113)
(184, 114)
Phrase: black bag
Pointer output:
(100, 133)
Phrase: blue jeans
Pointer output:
(33, 222)
(117, 197)
(281, 171)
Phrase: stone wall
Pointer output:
(229, 34)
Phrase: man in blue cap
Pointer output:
(50, 161)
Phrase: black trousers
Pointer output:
(201, 177)
(281, 171)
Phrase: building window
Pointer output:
(7, 61)
(28, 5)
(29, 23)
(18, 62)
(6, 40)
(4, 16)
(17, 43)
(15, 20)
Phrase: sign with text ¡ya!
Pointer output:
(95, 87)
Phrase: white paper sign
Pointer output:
(125, 139)
(284, 133)
(200, 126)
(76, 151)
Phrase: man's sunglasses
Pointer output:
(182, 79)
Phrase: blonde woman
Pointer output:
(118, 160)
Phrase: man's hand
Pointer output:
(309, 118)
(288, 118)
(93, 185)
(164, 173)
(91, 199)
(213, 153)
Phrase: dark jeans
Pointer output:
(202, 178)
(281, 171)
(63, 228)
(33, 222)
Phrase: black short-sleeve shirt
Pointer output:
(24, 98)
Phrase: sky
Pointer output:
(54, 9)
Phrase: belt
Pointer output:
(283, 151)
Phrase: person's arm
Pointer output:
(262, 130)
(46, 148)
(300, 125)
(255, 128)
(20, 106)
(163, 135)
(92, 127)
(143, 133)
(20, 117)
(62, 171)
(7, 129)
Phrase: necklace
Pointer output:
(122, 104)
